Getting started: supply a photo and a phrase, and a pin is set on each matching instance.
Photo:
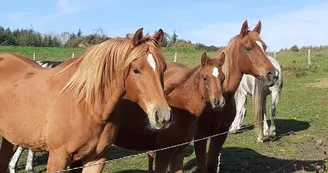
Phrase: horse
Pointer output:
(30, 157)
(245, 54)
(246, 87)
(79, 97)
(187, 92)
(49, 64)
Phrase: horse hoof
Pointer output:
(259, 140)
(233, 131)
(272, 134)
(266, 133)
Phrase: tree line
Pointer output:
(30, 37)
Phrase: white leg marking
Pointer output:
(29, 163)
(215, 72)
(260, 44)
(151, 61)
(14, 159)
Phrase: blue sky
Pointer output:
(211, 22)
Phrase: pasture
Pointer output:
(302, 119)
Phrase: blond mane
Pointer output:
(103, 68)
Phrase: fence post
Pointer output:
(34, 56)
(175, 57)
(275, 55)
(72, 55)
(309, 58)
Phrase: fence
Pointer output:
(197, 140)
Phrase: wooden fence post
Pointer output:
(34, 56)
(309, 58)
(175, 57)
(275, 55)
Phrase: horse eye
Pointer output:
(205, 78)
(136, 71)
(248, 48)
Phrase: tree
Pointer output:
(294, 48)
(79, 33)
(174, 37)
(166, 39)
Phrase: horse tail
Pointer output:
(258, 102)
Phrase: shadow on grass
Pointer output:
(235, 159)
(284, 127)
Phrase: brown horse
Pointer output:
(187, 91)
(67, 110)
(245, 54)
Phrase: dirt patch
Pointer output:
(322, 83)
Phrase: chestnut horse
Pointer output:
(245, 54)
(67, 110)
(187, 91)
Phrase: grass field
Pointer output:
(302, 120)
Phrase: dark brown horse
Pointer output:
(188, 91)
(68, 109)
(245, 54)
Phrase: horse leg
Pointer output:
(265, 122)
(274, 103)
(200, 151)
(14, 159)
(151, 156)
(241, 98)
(29, 164)
(96, 168)
(6, 151)
(57, 161)
(162, 160)
(177, 160)
(214, 152)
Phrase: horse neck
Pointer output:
(188, 96)
(232, 71)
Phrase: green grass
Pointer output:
(299, 130)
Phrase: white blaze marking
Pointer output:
(151, 61)
(260, 44)
(215, 72)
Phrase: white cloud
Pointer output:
(305, 26)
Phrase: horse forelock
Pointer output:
(103, 67)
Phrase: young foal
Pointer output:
(79, 98)
(245, 54)
(187, 90)
(246, 87)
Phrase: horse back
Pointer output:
(175, 75)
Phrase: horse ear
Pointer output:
(159, 37)
(204, 59)
(137, 36)
(258, 27)
(129, 35)
(221, 59)
(244, 28)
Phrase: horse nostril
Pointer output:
(222, 102)
(216, 100)
(157, 114)
(271, 74)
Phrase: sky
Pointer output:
(211, 22)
